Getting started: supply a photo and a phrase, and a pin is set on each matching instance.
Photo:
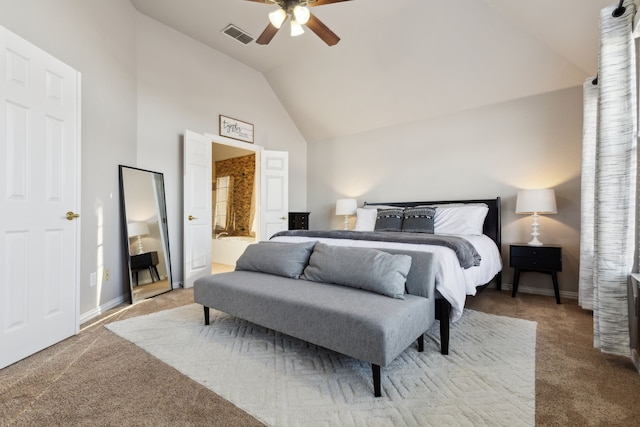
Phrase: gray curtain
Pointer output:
(609, 182)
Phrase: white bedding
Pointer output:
(452, 281)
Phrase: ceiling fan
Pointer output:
(298, 13)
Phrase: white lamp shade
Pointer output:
(277, 17)
(296, 28)
(346, 206)
(542, 201)
(137, 229)
(302, 14)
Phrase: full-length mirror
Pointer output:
(145, 234)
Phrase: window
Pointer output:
(221, 208)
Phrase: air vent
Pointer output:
(238, 34)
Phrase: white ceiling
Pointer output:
(401, 61)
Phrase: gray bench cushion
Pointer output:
(282, 259)
(358, 323)
(363, 268)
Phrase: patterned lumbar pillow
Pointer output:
(419, 220)
(389, 219)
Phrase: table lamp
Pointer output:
(346, 207)
(536, 202)
(138, 229)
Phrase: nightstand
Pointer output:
(298, 220)
(144, 261)
(541, 259)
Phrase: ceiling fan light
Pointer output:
(277, 17)
(302, 14)
(296, 28)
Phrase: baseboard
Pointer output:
(536, 291)
(85, 317)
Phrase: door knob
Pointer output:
(191, 218)
(71, 216)
(283, 218)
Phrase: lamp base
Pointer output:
(346, 222)
(535, 242)
(140, 249)
(534, 231)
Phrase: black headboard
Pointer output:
(492, 225)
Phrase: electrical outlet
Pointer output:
(106, 274)
(93, 279)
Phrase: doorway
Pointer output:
(271, 184)
(235, 217)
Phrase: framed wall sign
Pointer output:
(236, 129)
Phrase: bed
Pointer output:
(456, 276)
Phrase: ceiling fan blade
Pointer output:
(315, 3)
(267, 34)
(263, 1)
(322, 31)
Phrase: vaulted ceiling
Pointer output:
(401, 61)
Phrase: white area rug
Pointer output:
(487, 379)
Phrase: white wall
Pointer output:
(97, 38)
(182, 85)
(142, 86)
(493, 151)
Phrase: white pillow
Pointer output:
(366, 219)
(382, 207)
(467, 219)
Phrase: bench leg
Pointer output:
(376, 380)
(206, 315)
(443, 312)
(421, 343)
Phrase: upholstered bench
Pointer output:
(365, 303)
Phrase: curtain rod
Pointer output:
(620, 10)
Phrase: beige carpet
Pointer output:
(99, 379)
(487, 380)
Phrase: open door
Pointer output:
(274, 179)
(197, 214)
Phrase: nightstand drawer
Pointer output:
(536, 257)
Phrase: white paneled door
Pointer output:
(197, 220)
(274, 178)
(39, 199)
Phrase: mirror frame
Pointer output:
(163, 234)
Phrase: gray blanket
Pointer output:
(465, 251)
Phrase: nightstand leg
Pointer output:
(516, 279)
(554, 277)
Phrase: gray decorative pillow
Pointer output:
(389, 219)
(281, 259)
(419, 220)
(361, 268)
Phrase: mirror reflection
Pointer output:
(146, 238)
